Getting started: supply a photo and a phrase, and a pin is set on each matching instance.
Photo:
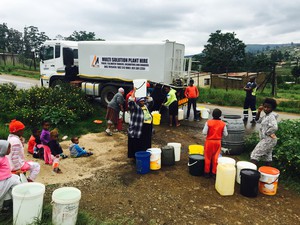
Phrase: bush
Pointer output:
(286, 153)
(287, 150)
(61, 106)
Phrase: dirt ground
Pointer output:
(111, 188)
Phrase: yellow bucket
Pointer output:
(156, 118)
(196, 149)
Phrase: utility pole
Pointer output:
(274, 80)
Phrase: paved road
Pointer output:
(20, 82)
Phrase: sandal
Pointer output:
(109, 133)
(178, 125)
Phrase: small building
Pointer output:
(201, 79)
(234, 80)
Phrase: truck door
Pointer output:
(51, 60)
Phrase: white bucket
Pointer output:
(27, 202)
(127, 117)
(155, 158)
(243, 165)
(177, 150)
(204, 113)
(141, 87)
(226, 160)
(180, 114)
(65, 205)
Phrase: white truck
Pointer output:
(101, 67)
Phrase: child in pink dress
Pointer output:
(7, 180)
(16, 156)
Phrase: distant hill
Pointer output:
(254, 48)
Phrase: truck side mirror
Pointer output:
(68, 57)
(41, 55)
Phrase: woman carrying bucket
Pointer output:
(140, 125)
(268, 139)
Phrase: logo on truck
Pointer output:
(120, 62)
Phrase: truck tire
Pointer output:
(56, 83)
(107, 94)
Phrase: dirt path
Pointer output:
(112, 190)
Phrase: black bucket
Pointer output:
(196, 165)
(234, 141)
(167, 156)
(249, 182)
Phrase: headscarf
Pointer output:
(15, 126)
(140, 99)
(3, 147)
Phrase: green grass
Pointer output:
(20, 70)
(289, 103)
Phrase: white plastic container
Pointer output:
(141, 87)
(243, 165)
(155, 158)
(180, 114)
(226, 160)
(177, 150)
(204, 113)
(225, 179)
(127, 117)
(65, 205)
(27, 202)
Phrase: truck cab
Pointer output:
(52, 65)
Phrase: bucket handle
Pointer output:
(192, 163)
(140, 86)
(272, 182)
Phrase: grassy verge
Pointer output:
(236, 98)
(20, 71)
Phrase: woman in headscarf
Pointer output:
(7, 180)
(16, 156)
(140, 125)
(113, 109)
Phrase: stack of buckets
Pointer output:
(196, 160)
(65, 202)
(251, 180)
(153, 158)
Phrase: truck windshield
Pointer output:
(47, 52)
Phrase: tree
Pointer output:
(276, 56)
(296, 73)
(14, 39)
(3, 37)
(223, 53)
(83, 36)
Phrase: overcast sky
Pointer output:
(189, 22)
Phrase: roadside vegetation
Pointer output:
(288, 98)
(19, 70)
(67, 108)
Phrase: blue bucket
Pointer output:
(142, 162)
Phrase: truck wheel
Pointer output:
(56, 83)
(107, 94)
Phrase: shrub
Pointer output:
(251, 141)
(287, 150)
(286, 153)
(61, 106)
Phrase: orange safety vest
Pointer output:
(215, 129)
